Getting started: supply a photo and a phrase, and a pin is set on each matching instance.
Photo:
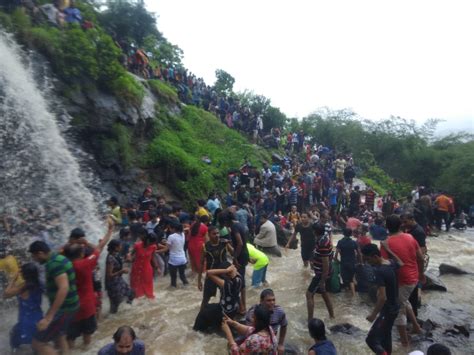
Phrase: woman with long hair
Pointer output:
(259, 337)
(141, 279)
(197, 238)
(177, 258)
(117, 288)
(29, 294)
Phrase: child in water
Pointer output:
(260, 262)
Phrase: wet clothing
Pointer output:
(85, 326)
(230, 295)
(56, 328)
(215, 255)
(237, 227)
(195, 245)
(138, 349)
(277, 318)
(257, 343)
(379, 338)
(348, 249)
(212, 314)
(322, 249)
(85, 287)
(141, 278)
(29, 313)
(55, 266)
(325, 347)
(308, 240)
(405, 247)
(117, 288)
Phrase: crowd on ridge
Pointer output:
(307, 196)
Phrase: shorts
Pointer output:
(347, 273)
(313, 286)
(404, 292)
(85, 326)
(56, 328)
(210, 288)
(306, 252)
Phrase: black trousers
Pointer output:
(379, 338)
(173, 273)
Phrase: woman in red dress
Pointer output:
(141, 278)
(197, 238)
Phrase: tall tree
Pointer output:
(224, 82)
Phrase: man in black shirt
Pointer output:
(379, 338)
(238, 237)
(410, 226)
(308, 240)
(213, 255)
(348, 249)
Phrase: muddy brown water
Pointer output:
(165, 324)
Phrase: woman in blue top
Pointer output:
(29, 304)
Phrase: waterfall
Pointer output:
(42, 184)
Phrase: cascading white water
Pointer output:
(39, 176)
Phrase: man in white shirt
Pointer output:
(266, 239)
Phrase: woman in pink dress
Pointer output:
(197, 238)
(141, 278)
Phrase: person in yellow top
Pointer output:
(260, 263)
(9, 265)
(201, 210)
(115, 212)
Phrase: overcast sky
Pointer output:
(413, 59)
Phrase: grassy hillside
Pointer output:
(183, 141)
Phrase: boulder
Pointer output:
(345, 328)
(433, 283)
(449, 269)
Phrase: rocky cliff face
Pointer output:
(115, 134)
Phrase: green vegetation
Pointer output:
(185, 141)
(396, 154)
(164, 91)
(79, 57)
(117, 146)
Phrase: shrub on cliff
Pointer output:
(78, 56)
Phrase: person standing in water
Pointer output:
(214, 253)
(141, 279)
(85, 320)
(62, 293)
(29, 294)
(308, 240)
(387, 307)
(321, 263)
(405, 247)
(117, 288)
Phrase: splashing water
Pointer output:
(40, 177)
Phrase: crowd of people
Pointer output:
(308, 195)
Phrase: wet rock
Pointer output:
(463, 329)
(433, 283)
(345, 328)
(458, 330)
(449, 269)
(428, 325)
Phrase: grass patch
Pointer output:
(164, 91)
(180, 146)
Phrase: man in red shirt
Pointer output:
(85, 321)
(406, 248)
